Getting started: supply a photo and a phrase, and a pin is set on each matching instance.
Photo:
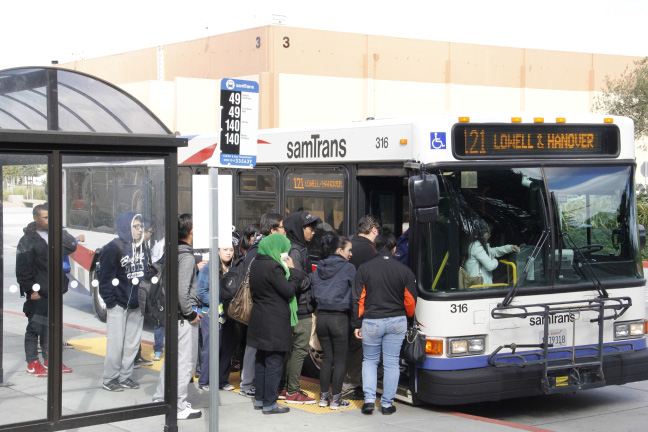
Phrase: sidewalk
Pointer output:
(25, 399)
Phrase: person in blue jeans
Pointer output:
(384, 296)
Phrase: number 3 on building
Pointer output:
(286, 43)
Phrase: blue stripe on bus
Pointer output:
(473, 362)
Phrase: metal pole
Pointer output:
(214, 284)
(2, 382)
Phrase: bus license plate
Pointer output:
(556, 337)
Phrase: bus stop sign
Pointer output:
(239, 123)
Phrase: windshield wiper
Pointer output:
(578, 253)
(590, 271)
(529, 265)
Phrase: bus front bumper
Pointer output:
(492, 384)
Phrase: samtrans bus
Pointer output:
(563, 314)
(550, 200)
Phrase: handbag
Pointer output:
(466, 281)
(240, 307)
(413, 349)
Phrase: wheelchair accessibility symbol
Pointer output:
(437, 140)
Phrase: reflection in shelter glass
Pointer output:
(118, 229)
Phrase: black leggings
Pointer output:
(333, 334)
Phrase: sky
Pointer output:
(40, 31)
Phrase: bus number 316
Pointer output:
(458, 308)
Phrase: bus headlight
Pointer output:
(629, 330)
(470, 345)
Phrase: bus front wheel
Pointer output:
(99, 305)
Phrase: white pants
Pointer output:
(124, 328)
(187, 356)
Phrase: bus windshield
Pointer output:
(499, 226)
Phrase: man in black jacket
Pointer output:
(300, 229)
(32, 274)
(363, 251)
(384, 296)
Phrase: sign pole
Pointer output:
(214, 303)
(235, 147)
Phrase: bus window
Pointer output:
(250, 211)
(321, 193)
(129, 191)
(258, 182)
(256, 195)
(103, 200)
(595, 208)
(78, 199)
(511, 202)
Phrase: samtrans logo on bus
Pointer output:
(316, 148)
(553, 319)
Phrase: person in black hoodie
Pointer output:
(32, 274)
(122, 264)
(332, 285)
(300, 229)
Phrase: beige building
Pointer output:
(318, 77)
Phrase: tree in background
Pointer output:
(627, 95)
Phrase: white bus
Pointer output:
(562, 189)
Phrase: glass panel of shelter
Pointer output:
(24, 297)
(112, 259)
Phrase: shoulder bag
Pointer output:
(466, 281)
(240, 307)
(413, 349)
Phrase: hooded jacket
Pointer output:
(32, 258)
(333, 282)
(187, 282)
(294, 226)
(122, 259)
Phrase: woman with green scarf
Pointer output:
(273, 283)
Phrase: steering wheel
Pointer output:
(591, 248)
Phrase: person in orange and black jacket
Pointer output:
(384, 295)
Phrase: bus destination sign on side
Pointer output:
(522, 140)
(314, 182)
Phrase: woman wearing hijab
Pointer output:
(273, 283)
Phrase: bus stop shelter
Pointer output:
(91, 152)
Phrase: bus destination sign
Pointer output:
(526, 140)
(314, 182)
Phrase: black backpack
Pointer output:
(151, 295)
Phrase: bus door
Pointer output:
(383, 193)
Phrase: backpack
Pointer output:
(151, 295)
(230, 283)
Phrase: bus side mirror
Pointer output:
(424, 197)
(642, 236)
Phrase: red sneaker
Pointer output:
(282, 395)
(37, 369)
(299, 397)
(64, 369)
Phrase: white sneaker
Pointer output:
(189, 413)
(228, 387)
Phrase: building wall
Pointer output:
(317, 77)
